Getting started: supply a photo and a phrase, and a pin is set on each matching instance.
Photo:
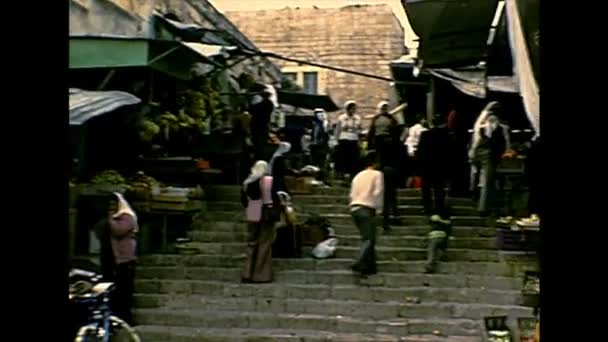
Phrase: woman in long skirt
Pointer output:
(258, 200)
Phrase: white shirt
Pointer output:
(349, 127)
(413, 138)
(367, 189)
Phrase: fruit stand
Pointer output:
(149, 198)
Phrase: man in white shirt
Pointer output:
(366, 200)
(348, 130)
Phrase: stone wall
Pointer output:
(133, 18)
(359, 38)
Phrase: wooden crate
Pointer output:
(169, 198)
(176, 206)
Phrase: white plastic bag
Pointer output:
(325, 249)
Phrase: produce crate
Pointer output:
(511, 166)
(527, 329)
(530, 295)
(176, 206)
(517, 240)
(169, 198)
(138, 195)
(141, 206)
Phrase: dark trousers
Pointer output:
(366, 258)
(390, 195)
(433, 194)
(122, 298)
(318, 154)
(385, 149)
(348, 157)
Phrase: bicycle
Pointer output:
(101, 325)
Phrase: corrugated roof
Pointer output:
(85, 105)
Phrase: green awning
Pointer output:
(168, 56)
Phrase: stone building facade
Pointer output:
(363, 38)
(133, 18)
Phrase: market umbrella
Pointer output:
(451, 33)
(85, 105)
(307, 101)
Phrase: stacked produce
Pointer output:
(109, 177)
(196, 193)
(143, 182)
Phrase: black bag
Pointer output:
(271, 213)
(287, 243)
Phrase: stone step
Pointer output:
(340, 219)
(382, 252)
(355, 240)
(158, 333)
(344, 200)
(235, 231)
(324, 209)
(299, 291)
(501, 269)
(336, 277)
(331, 307)
(239, 319)
(217, 191)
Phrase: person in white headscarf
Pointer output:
(319, 146)
(118, 253)
(490, 141)
(260, 215)
(348, 131)
(279, 167)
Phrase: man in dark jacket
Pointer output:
(260, 108)
(384, 137)
(434, 159)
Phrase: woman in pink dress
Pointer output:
(257, 198)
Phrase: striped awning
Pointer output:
(85, 105)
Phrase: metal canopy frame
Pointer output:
(87, 52)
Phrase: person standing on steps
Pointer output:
(441, 229)
(348, 130)
(118, 253)
(491, 140)
(366, 200)
(411, 143)
(260, 108)
(383, 137)
(257, 198)
(383, 133)
(434, 165)
(279, 168)
(319, 146)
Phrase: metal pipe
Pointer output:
(162, 55)
(329, 67)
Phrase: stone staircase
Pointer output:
(199, 297)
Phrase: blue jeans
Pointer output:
(366, 258)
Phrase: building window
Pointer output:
(310, 82)
(292, 76)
